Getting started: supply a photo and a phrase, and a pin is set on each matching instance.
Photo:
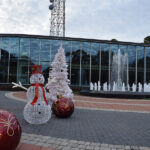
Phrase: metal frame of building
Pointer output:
(57, 21)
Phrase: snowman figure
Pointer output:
(37, 109)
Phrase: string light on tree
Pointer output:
(59, 75)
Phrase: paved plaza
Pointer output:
(96, 123)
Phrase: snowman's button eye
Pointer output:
(39, 78)
(39, 112)
(38, 104)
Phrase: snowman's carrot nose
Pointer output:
(37, 93)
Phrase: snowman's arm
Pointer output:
(50, 81)
(18, 85)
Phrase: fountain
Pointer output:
(95, 86)
(140, 87)
(105, 86)
(123, 88)
(133, 87)
(91, 86)
(147, 87)
(118, 87)
(119, 70)
(99, 86)
(125, 92)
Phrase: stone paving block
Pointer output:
(81, 146)
(63, 143)
(74, 145)
(59, 147)
(47, 145)
(134, 147)
(89, 147)
(72, 141)
(144, 148)
(74, 148)
(110, 145)
(50, 141)
(96, 148)
(66, 148)
(54, 146)
(24, 141)
(92, 144)
(119, 146)
(104, 145)
(97, 144)
(127, 147)
(113, 148)
(29, 146)
(87, 143)
(81, 142)
(105, 148)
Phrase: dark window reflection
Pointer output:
(14, 54)
(85, 64)
(4, 59)
(147, 64)
(104, 63)
(24, 59)
(34, 50)
(75, 65)
(140, 64)
(55, 45)
(45, 69)
(95, 60)
(132, 64)
(67, 49)
(45, 50)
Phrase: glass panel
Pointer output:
(67, 48)
(34, 50)
(55, 46)
(148, 64)
(75, 66)
(95, 59)
(85, 64)
(140, 64)
(14, 54)
(45, 69)
(23, 66)
(132, 64)
(45, 56)
(104, 63)
(45, 50)
(4, 58)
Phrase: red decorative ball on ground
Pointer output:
(63, 107)
(10, 131)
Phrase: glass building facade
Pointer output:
(88, 60)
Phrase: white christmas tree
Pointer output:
(58, 82)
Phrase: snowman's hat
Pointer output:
(36, 69)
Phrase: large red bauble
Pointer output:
(63, 107)
(10, 131)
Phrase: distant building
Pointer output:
(88, 60)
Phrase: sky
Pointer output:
(124, 20)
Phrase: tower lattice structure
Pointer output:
(57, 21)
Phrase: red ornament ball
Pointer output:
(63, 107)
(10, 131)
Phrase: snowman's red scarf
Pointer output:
(37, 93)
